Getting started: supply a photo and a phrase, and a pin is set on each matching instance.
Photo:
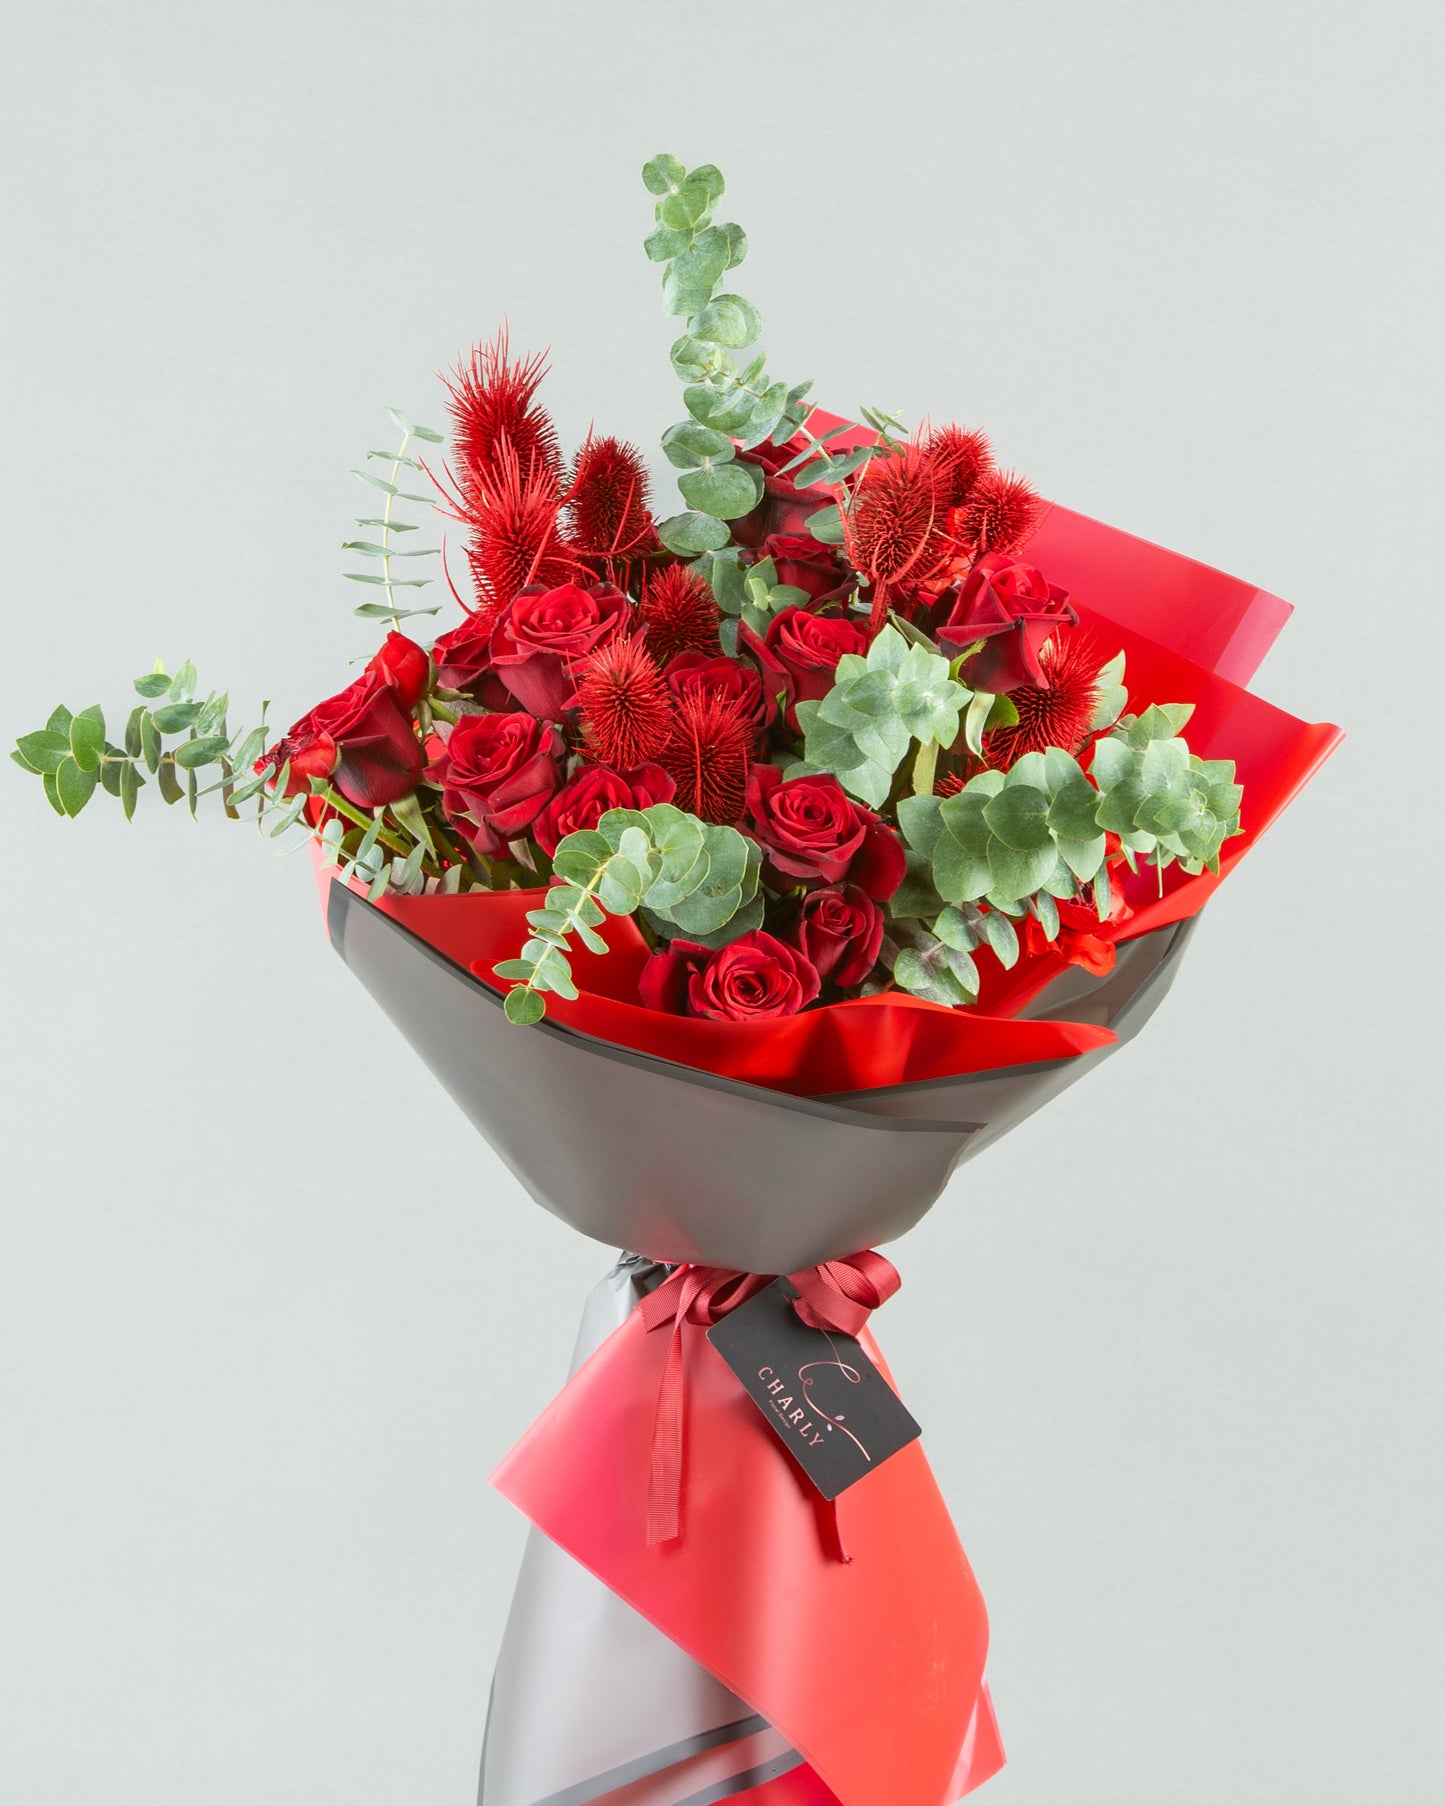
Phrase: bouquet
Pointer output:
(741, 872)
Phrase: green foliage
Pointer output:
(879, 706)
(725, 404)
(381, 548)
(694, 878)
(1020, 839)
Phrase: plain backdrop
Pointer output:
(269, 1310)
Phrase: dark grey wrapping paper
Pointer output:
(638, 1152)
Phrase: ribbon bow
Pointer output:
(837, 1295)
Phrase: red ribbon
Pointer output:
(837, 1295)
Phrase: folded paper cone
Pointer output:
(642, 1151)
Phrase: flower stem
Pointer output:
(386, 531)
(925, 768)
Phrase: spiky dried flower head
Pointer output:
(1058, 712)
(960, 456)
(627, 708)
(515, 531)
(1001, 514)
(493, 403)
(710, 755)
(891, 527)
(607, 499)
(679, 613)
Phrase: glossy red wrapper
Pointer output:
(871, 1668)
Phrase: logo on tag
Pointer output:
(827, 1403)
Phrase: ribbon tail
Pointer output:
(669, 1429)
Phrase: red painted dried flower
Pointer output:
(680, 613)
(892, 527)
(1056, 713)
(608, 500)
(627, 708)
(1001, 514)
(709, 756)
(493, 404)
(960, 456)
(516, 538)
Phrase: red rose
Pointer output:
(691, 673)
(405, 666)
(1013, 609)
(809, 827)
(804, 563)
(808, 647)
(362, 739)
(752, 978)
(463, 661)
(542, 633)
(783, 509)
(881, 864)
(591, 792)
(497, 773)
(840, 930)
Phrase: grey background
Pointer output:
(268, 1311)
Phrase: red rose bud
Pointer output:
(405, 666)
(715, 674)
(1013, 609)
(803, 562)
(591, 792)
(752, 978)
(362, 739)
(307, 753)
(497, 773)
(840, 930)
(808, 647)
(542, 633)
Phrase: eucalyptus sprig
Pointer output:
(382, 548)
(1018, 842)
(173, 736)
(73, 756)
(698, 878)
(729, 409)
(901, 694)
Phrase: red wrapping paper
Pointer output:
(872, 1669)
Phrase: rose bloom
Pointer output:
(808, 647)
(730, 678)
(463, 660)
(804, 563)
(840, 929)
(497, 773)
(362, 739)
(405, 666)
(1013, 609)
(590, 792)
(783, 510)
(542, 633)
(809, 827)
(754, 977)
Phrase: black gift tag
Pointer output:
(829, 1405)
